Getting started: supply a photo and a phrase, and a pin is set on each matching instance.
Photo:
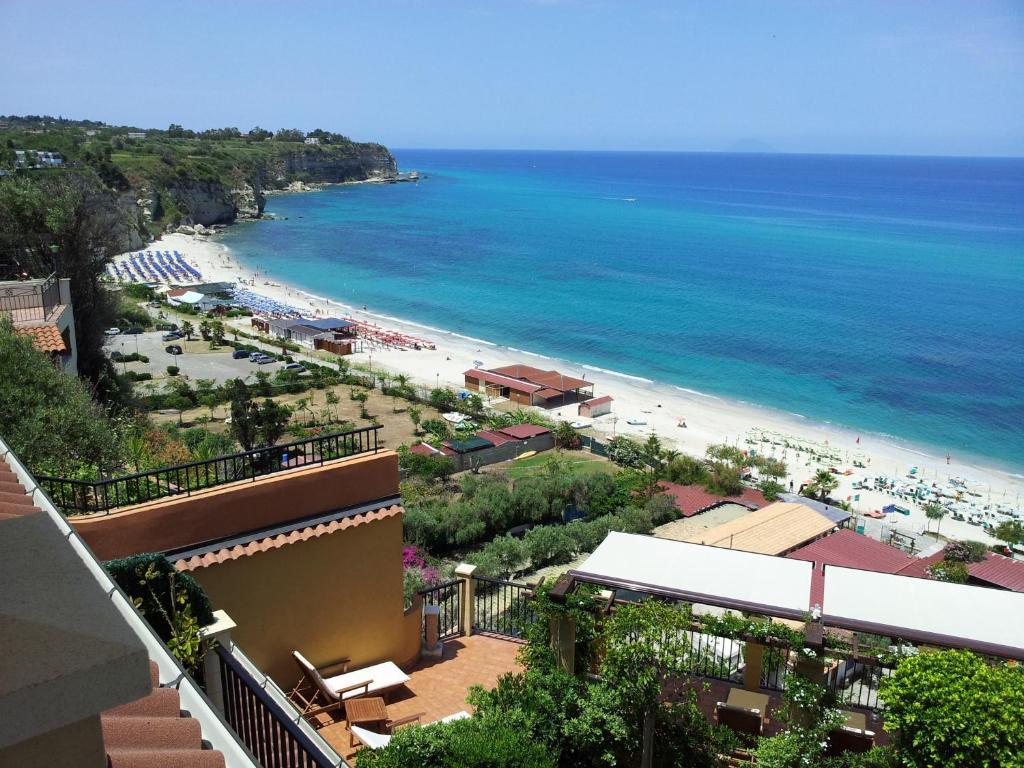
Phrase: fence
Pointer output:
(263, 725)
(30, 300)
(775, 667)
(83, 496)
(855, 680)
(501, 607)
(448, 598)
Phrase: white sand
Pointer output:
(709, 419)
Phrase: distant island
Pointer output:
(160, 180)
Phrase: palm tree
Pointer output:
(188, 329)
(823, 483)
(935, 512)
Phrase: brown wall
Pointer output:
(328, 597)
(241, 507)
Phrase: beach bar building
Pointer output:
(526, 385)
(596, 406)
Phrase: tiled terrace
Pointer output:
(438, 687)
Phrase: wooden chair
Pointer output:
(325, 690)
(847, 739)
(740, 719)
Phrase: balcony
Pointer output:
(31, 301)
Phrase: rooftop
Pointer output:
(854, 550)
(693, 499)
(772, 530)
(45, 338)
(554, 380)
(524, 431)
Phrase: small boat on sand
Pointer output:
(636, 421)
(454, 418)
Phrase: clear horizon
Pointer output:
(798, 77)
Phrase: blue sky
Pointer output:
(792, 75)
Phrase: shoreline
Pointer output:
(709, 418)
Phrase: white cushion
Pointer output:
(463, 715)
(369, 738)
(382, 677)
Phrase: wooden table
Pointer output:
(370, 712)
(739, 697)
(856, 720)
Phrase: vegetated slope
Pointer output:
(176, 176)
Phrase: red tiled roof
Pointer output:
(502, 381)
(549, 379)
(495, 437)
(45, 338)
(14, 501)
(598, 400)
(281, 540)
(548, 393)
(523, 431)
(996, 570)
(424, 450)
(152, 732)
(999, 570)
(692, 499)
(853, 550)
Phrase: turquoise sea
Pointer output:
(884, 294)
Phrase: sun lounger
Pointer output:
(380, 740)
(744, 712)
(315, 694)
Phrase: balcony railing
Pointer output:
(30, 300)
(102, 496)
(855, 680)
(448, 598)
(273, 732)
(501, 607)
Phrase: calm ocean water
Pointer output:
(879, 293)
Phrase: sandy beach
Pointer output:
(708, 419)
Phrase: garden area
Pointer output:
(630, 700)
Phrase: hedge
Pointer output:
(129, 571)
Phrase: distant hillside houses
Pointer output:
(32, 158)
(136, 134)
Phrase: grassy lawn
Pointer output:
(577, 461)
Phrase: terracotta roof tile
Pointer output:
(45, 338)
(996, 570)
(152, 733)
(849, 549)
(693, 499)
(274, 542)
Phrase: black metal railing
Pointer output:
(501, 607)
(93, 496)
(774, 667)
(855, 680)
(711, 656)
(31, 300)
(448, 598)
(262, 724)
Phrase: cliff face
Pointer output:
(241, 196)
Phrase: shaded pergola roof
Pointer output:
(978, 618)
(744, 581)
(983, 619)
(773, 530)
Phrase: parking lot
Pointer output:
(198, 361)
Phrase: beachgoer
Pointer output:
(790, 486)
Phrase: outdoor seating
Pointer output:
(375, 740)
(744, 711)
(316, 694)
(851, 736)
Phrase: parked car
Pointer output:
(254, 356)
(135, 331)
(112, 331)
(296, 367)
(264, 360)
(240, 354)
(172, 336)
(172, 349)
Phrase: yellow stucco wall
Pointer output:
(328, 597)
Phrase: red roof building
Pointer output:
(693, 499)
(526, 385)
(849, 549)
(523, 431)
(994, 571)
(423, 449)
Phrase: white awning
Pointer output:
(983, 619)
(742, 580)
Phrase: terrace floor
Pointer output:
(438, 686)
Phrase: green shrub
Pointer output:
(474, 743)
(953, 709)
(172, 370)
(153, 597)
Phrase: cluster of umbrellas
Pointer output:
(263, 305)
(163, 266)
